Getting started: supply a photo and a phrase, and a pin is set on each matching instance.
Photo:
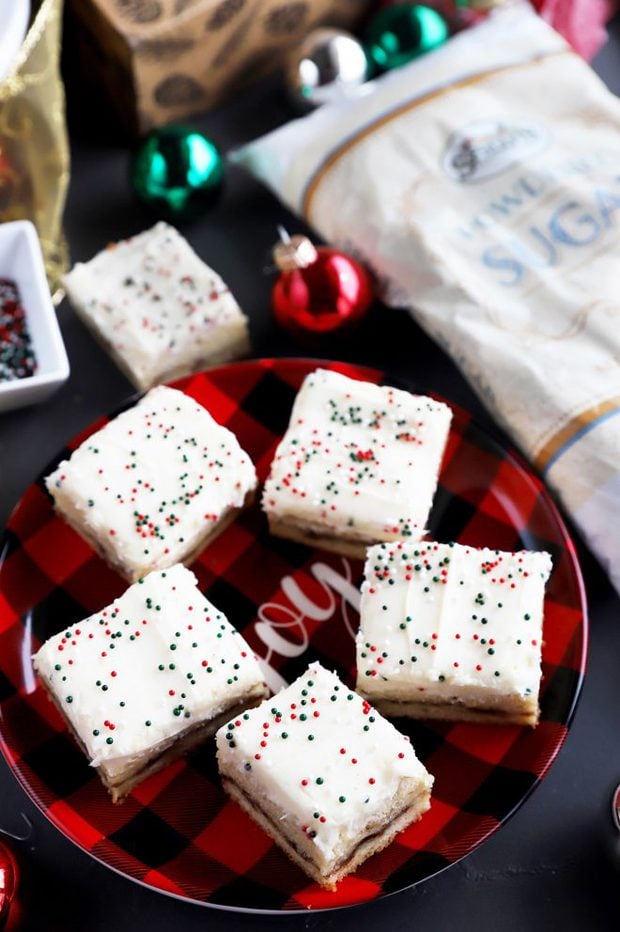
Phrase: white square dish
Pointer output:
(21, 261)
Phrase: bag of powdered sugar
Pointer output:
(481, 183)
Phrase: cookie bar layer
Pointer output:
(151, 675)
(326, 776)
(158, 309)
(453, 632)
(154, 485)
(358, 464)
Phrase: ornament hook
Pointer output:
(18, 837)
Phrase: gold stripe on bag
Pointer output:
(569, 433)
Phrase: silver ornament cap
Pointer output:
(328, 65)
(293, 252)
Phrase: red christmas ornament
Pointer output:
(320, 290)
(9, 877)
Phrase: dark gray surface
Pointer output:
(548, 867)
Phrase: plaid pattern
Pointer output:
(178, 832)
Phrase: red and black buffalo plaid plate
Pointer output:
(178, 832)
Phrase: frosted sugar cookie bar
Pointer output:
(157, 308)
(155, 485)
(358, 464)
(326, 776)
(452, 632)
(149, 677)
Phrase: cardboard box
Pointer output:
(164, 60)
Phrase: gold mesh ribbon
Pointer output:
(34, 156)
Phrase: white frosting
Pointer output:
(156, 304)
(156, 661)
(358, 460)
(323, 755)
(472, 619)
(154, 481)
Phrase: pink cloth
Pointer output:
(581, 22)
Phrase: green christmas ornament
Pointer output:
(177, 172)
(401, 33)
